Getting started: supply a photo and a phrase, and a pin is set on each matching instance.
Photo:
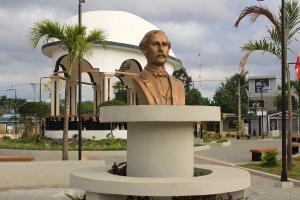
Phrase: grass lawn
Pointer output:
(49, 144)
(294, 173)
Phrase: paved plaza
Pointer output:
(262, 188)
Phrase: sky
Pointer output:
(201, 32)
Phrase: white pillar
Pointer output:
(97, 97)
(106, 87)
(55, 95)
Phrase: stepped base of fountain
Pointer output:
(160, 158)
(222, 183)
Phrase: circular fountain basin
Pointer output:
(222, 182)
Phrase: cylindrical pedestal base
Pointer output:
(160, 149)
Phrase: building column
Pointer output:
(55, 95)
(73, 98)
(97, 97)
(106, 87)
(131, 96)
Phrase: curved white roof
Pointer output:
(121, 26)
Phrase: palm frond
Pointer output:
(97, 35)
(254, 12)
(244, 61)
(262, 45)
(292, 19)
(274, 36)
(46, 28)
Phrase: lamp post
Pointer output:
(15, 109)
(79, 89)
(239, 109)
(283, 106)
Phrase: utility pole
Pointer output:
(34, 85)
(239, 109)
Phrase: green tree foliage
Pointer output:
(35, 110)
(120, 92)
(278, 102)
(7, 104)
(226, 95)
(87, 107)
(184, 77)
(192, 95)
(296, 86)
(31, 115)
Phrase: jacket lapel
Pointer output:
(152, 87)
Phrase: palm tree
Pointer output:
(78, 43)
(272, 44)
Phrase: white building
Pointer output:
(124, 31)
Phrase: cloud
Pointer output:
(193, 26)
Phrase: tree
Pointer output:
(296, 85)
(120, 92)
(78, 43)
(184, 77)
(32, 114)
(87, 107)
(226, 94)
(272, 44)
(192, 95)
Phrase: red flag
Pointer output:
(297, 67)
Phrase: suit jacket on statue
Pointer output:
(148, 93)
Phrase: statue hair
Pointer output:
(145, 41)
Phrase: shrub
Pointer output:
(221, 140)
(6, 138)
(269, 159)
(228, 135)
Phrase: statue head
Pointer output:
(156, 46)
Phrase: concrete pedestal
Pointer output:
(159, 137)
(160, 158)
(160, 149)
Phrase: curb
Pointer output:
(200, 148)
(268, 175)
(252, 171)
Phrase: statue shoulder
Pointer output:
(177, 81)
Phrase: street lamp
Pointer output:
(15, 109)
(283, 106)
(79, 89)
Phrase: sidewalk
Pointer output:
(262, 188)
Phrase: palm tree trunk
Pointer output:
(66, 120)
(290, 125)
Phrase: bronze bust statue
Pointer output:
(154, 86)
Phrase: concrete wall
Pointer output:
(40, 173)
(99, 134)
